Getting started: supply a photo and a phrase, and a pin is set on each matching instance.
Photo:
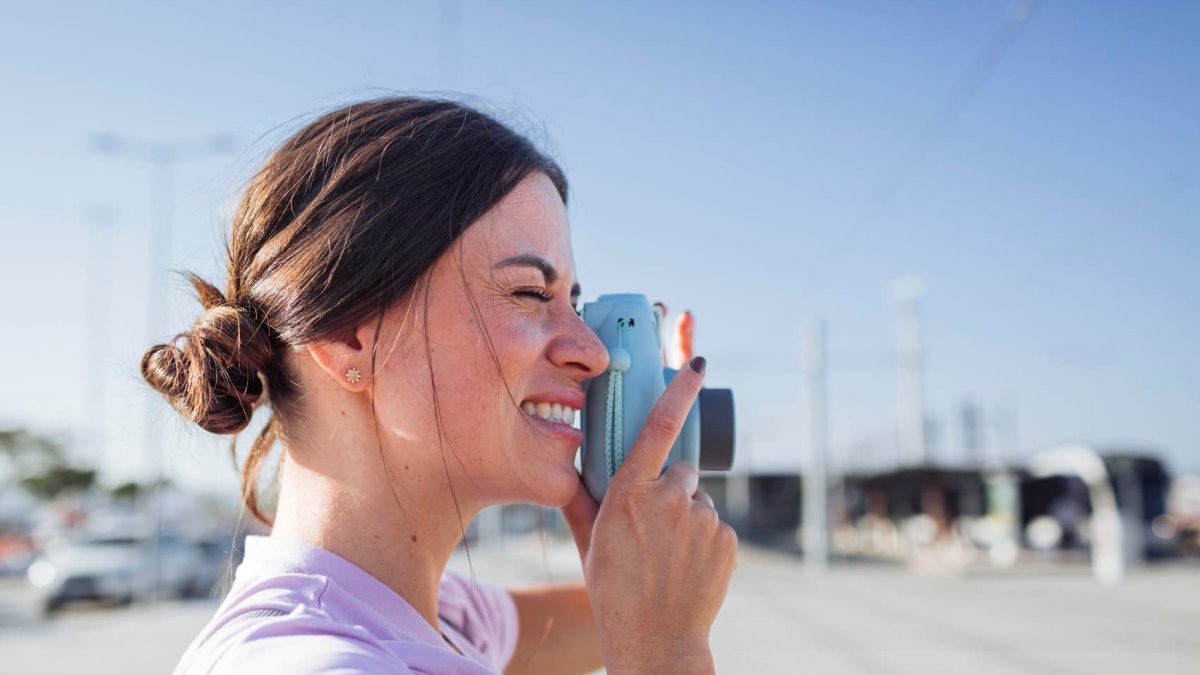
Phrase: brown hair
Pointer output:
(344, 220)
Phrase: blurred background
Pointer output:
(946, 254)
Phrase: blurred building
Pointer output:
(971, 514)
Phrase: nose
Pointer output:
(579, 350)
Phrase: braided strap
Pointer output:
(614, 452)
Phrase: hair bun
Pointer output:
(213, 374)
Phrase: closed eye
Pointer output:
(542, 296)
(537, 293)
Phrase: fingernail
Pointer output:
(698, 364)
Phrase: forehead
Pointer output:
(530, 220)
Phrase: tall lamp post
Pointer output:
(100, 222)
(906, 295)
(814, 521)
(162, 157)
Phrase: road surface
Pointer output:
(861, 620)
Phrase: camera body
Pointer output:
(618, 402)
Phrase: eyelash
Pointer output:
(537, 294)
(534, 293)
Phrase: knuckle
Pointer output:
(727, 538)
(671, 502)
(619, 484)
(679, 482)
(681, 470)
(662, 423)
(626, 495)
(668, 493)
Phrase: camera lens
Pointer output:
(716, 429)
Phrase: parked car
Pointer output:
(120, 569)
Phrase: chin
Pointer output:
(554, 486)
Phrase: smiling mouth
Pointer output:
(551, 412)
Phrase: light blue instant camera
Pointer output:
(619, 400)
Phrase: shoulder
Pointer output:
(301, 642)
(288, 622)
(484, 614)
(463, 594)
(304, 646)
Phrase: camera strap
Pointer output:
(614, 410)
(614, 434)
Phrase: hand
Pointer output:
(659, 559)
(580, 512)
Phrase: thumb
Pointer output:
(580, 514)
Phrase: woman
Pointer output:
(401, 293)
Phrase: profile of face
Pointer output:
(468, 368)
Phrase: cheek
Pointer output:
(403, 404)
(470, 388)
(519, 345)
(479, 418)
(466, 388)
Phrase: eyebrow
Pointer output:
(538, 262)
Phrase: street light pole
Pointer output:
(95, 334)
(906, 295)
(162, 158)
(814, 521)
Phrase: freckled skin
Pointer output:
(492, 452)
(465, 445)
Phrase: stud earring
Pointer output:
(353, 376)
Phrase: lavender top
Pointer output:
(297, 608)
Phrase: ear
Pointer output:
(347, 358)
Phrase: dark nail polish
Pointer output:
(698, 364)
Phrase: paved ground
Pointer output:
(884, 622)
(861, 620)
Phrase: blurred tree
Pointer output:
(56, 479)
(27, 453)
(130, 490)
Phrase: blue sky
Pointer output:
(727, 158)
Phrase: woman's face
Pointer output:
(509, 279)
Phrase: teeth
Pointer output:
(553, 412)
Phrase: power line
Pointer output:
(947, 114)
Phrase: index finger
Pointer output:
(645, 459)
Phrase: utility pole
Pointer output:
(814, 517)
(973, 446)
(1005, 445)
(910, 398)
(95, 331)
(162, 157)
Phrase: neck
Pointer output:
(403, 536)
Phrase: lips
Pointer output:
(555, 417)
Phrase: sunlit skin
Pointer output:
(368, 475)
(489, 287)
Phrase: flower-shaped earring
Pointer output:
(353, 376)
